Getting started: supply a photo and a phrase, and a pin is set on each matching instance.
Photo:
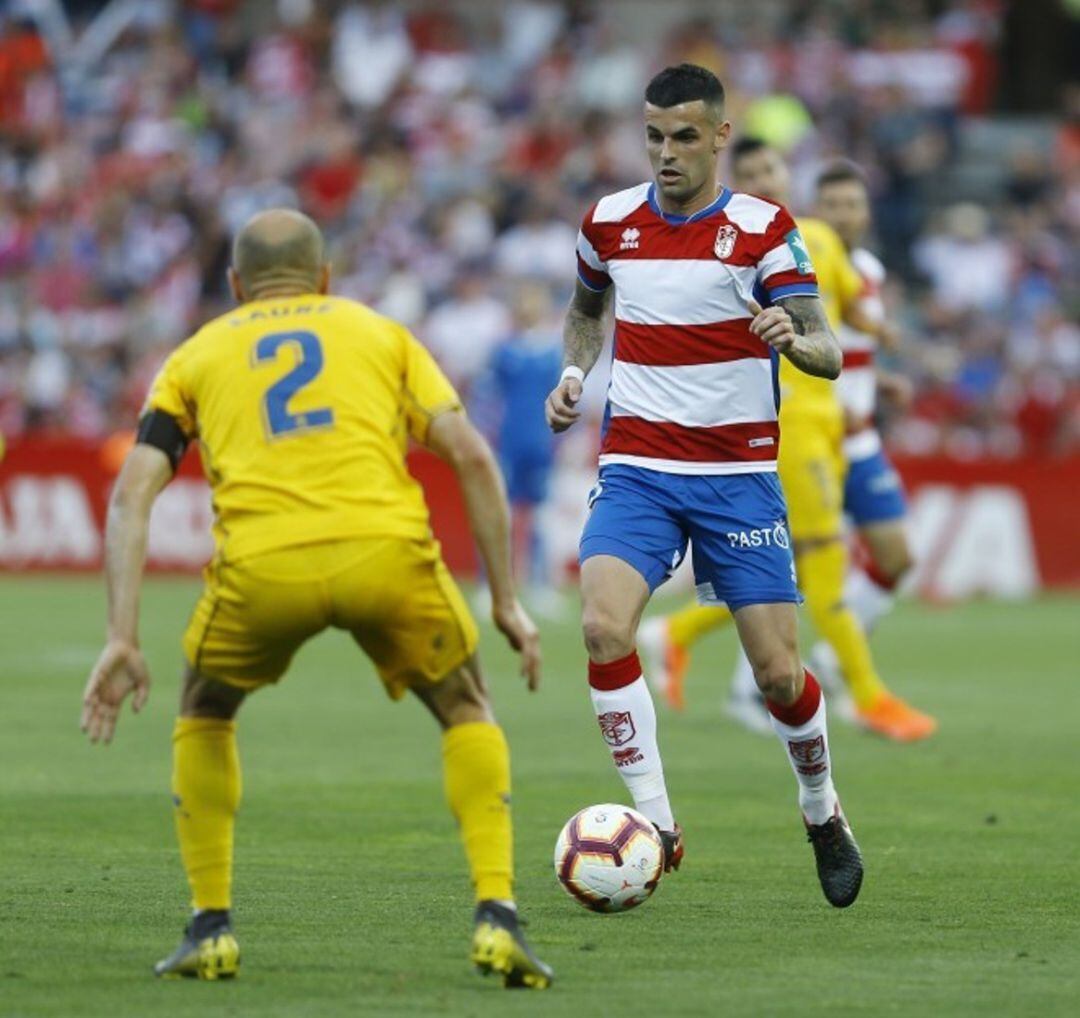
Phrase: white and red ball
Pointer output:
(609, 858)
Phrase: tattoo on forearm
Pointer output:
(583, 332)
(817, 351)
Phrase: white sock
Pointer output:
(627, 721)
(807, 747)
(743, 683)
(867, 600)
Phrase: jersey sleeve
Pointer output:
(785, 268)
(170, 393)
(428, 391)
(591, 268)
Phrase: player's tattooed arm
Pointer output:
(583, 339)
(800, 331)
(583, 333)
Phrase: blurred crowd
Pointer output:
(449, 151)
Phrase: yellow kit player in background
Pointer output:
(303, 405)
(811, 468)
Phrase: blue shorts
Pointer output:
(527, 474)
(873, 491)
(736, 525)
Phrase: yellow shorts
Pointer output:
(812, 468)
(394, 595)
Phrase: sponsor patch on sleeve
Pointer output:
(797, 247)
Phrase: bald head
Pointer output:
(278, 251)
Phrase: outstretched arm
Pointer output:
(121, 669)
(800, 331)
(583, 339)
(452, 437)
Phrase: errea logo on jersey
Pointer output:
(630, 239)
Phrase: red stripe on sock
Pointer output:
(615, 674)
(871, 569)
(803, 709)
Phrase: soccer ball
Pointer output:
(609, 858)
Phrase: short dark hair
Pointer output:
(747, 145)
(842, 171)
(685, 84)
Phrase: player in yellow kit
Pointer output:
(811, 467)
(303, 405)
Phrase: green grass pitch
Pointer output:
(351, 890)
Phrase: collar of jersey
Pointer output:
(669, 217)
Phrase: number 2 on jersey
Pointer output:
(279, 420)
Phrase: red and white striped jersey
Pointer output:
(857, 386)
(692, 390)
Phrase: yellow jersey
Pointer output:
(303, 408)
(839, 284)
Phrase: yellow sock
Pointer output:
(821, 576)
(689, 625)
(206, 791)
(476, 769)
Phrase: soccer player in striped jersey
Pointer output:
(711, 290)
(873, 492)
(812, 470)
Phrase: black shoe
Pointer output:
(673, 847)
(839, 861)
(498, 945)
(208, 951)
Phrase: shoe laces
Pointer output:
(828, 834)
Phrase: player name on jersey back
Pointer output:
(693, 390)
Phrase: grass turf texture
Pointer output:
(351, 890)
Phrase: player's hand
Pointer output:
(120, 670)
(897, 389)
(521, 633)
(774, 326)
(560, 406)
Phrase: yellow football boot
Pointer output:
(208, 951)
(499, 946)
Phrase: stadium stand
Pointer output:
(448, 151)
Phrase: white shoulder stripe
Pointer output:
(588, 253)
(779, 259)
(614, 207)
(750, 214)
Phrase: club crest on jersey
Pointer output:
(725, 241)
(617, 727)
(630, 239)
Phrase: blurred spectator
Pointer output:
(462, 331)
(524, 368)
(968, 268)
